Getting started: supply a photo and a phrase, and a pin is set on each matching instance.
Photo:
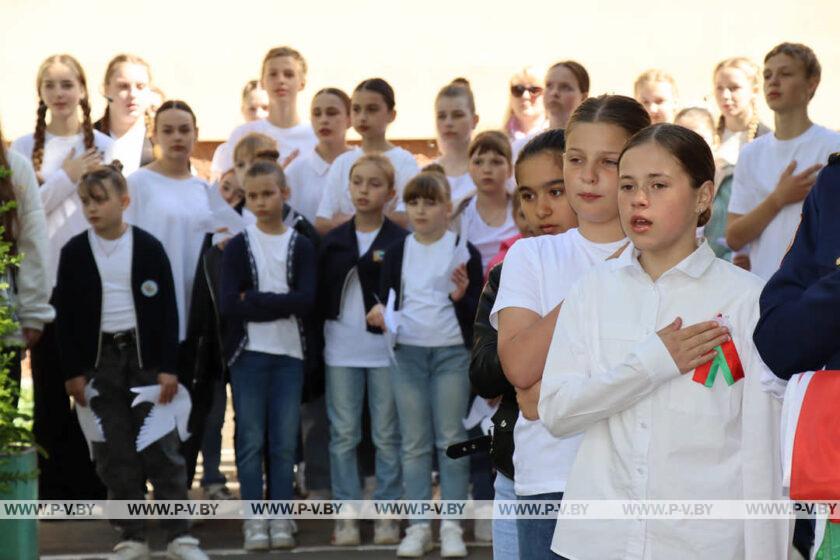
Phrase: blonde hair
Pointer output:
(526, 74)
(284, 51)
(654, 76)
(103, 125)
(41, 121)
(380, 161)
(251, 145)
(752, 72)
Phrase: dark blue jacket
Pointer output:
(239, 274)
(799, 328)
(465, 308)
(340, 253)
(78, 303)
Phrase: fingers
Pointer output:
(700, 360)
(691, 331)
(789, 169)
(673, 327)
(70, 155)
(707, 335)
(813, 170)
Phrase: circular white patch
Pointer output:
(149, 288)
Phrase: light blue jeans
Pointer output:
(432, 389)
(345, 399)
(266, 398)
(505, 540)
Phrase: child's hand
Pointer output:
(76, 167)
(528, 400)
(75, 387)
(376, 316)
(290, 158)
(461, 281)
(693, 346)
(793, 188)
(168, 387)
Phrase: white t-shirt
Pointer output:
(113, 259)
(337, 193)
(486, 238)
(307, 180)
(177, 213)
(300, 137)
(280, 337)
(428, 316)
(759, 167)
(347, 340)
(537, 274)
(128, 148)
(462, 187)
(58, 193)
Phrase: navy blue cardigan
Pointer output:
(78, 303)
(465, 308)
(239, 274)
(340, 253)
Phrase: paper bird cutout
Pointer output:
(392, 323)
(163, 418)
(90, 423)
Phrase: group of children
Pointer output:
(351, 279)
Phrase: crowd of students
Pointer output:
(611, 235)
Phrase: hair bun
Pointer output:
(460, 81)
(116, 165)
(434, 168)
(267, 154)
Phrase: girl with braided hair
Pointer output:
(63, 147)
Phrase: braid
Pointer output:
(150, 125)
(39, 136)
(752, 131)
(87, 127)
(103, 125)
(721, 127)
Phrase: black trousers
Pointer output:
(66, 473)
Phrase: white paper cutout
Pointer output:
(222, 215)
(90, 423)
(479, 412)
(162, 418)
(392, 323)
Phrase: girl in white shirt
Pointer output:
(373, 108)
(128, 118)
(455, 119)
(536, 277)
(657, 91)
(172, 204)
(487, 218)
(617, 365)
(254, 106)
(307, 174)
(435, 282)
(62, 149)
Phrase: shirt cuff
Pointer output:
(656, 360)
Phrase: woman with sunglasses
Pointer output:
(525, 115)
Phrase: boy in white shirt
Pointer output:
(776, 171)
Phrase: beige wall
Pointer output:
(204, 51)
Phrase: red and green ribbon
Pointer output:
(726, 361)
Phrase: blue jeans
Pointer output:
(432, 389)
(211, 445)
(345, 399)
(505, 541)
(535, 535)
(266, 398)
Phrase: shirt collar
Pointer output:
(318, 165)
(693, 266)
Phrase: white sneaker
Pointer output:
(386, 531)
(218, 491)
(255, 532)
(346, 533)
(282, 533)
(131, 550)
(452, 540)
(483, 530)
(417, 541)
(185, 548)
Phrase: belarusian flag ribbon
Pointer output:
(726, 361)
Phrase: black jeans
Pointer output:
(122, 468)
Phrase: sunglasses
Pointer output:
(519, 90)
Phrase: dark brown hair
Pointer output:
(380, 86)
(459, 87)
(491, 141)
(578, 71)
(619, 110)
(345, 99)
(266, 167)
(551, 141)
(687, 147)
(429, 184)
(95, 182)
(175, 104)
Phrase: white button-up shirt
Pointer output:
(652, 433)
